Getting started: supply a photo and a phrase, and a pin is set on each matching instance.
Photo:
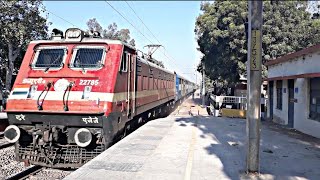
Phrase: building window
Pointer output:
(279, 95)
(315, 99)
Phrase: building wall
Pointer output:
(310, 64)
(301, 109)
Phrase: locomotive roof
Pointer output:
(154, 65)
(107, 41)
(92, 40)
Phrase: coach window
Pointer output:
(139, 68)
(150, 71)
(279, 94)
(49, 58)
(124, 62)
(315, 99)
(88, 57)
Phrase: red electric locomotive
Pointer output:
(76, 92)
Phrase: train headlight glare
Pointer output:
(83, 137)
(12, 133)
(73, 33)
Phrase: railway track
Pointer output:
(39, 172)
(3, 142)
(25, 174)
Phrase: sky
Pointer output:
(171, 22)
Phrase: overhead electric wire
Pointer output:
(142, 22)
(137, 29)
(45, 9)
(149, 31)
(127, 21)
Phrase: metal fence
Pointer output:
(233, 102)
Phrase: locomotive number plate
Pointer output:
(85, 82)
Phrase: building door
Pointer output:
(291, 103)
(271, 99)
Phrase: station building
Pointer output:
(294, 90)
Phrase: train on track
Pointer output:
(75, 93)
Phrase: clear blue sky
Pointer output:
(172, 22)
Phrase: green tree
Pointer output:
(111, 32)
(220, 32)
(20, 23)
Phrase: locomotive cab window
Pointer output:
(88, 57)
(49, 58)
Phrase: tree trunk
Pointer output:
(12, 56)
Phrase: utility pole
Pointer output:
(196, 77)
(254, 85)
(203, 85)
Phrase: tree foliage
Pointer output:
(220, 31)
(20, 23)
(111, 32)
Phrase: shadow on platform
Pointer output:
(282, 155)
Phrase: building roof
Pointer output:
(304, 75)
(291, 56)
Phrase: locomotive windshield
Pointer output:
(88, 57)
(49, 58)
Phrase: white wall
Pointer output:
(310, 64)
(301, 110)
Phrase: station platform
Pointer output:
(189, 144)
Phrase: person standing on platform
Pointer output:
(207, 103)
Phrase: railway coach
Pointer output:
(74, 94)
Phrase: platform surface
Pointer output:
(202, 147)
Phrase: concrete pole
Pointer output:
(196, 77)
(254, 85)
(203, 85)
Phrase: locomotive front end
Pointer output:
(59, 105)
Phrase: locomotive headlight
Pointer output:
(83, 137)
(86, 92)
(74, 34)
(12, 133)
